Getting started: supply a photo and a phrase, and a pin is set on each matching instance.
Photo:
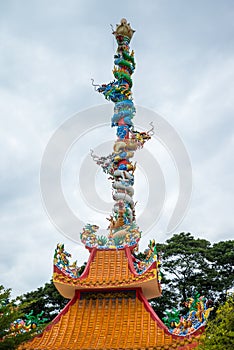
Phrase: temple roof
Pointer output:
(109, 269)
(109, 320)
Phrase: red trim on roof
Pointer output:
(155, 317)
(149, 308)
(87, 267)
(86, 270)
(131, 266)
(63, 312)
(57, 318)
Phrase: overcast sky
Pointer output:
(49, 51)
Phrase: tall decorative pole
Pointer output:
(123, 229)
(109, 306)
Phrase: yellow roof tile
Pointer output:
(109, 269)
(107, 320)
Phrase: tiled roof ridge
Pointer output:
(139, 296)
(155, 317)
(90, 260)
(131, 266)
(180, 340)
(112, 268)
(149, 308)
(56, 319)
(93, 253)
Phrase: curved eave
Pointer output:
(147, 281)
(67, 286)
(70, 327)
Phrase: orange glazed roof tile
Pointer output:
(122, 319)
(109, 269)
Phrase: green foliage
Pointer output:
(36, 306)
(82, 268)
(221, 268)
(46, 299)
(9, 312)
(190, 265)
(219, 334)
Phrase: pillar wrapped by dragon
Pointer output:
(120, 165)
(109, 306)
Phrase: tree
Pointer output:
(9, 312)
(219, 332)
(190, 265)
(221, 261)
(46, 299)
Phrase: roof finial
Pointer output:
(124, 29)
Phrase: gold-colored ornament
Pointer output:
(124, 28)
